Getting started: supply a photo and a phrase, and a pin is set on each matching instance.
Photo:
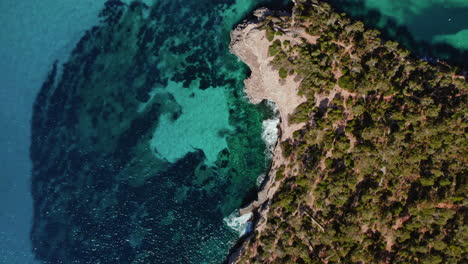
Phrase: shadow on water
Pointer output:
(455, 20)
(277, 5)
(392, 30)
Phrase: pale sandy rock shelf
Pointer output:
(249, 44)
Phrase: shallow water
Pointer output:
(145, 145)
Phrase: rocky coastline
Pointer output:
(250, 45)
(343, 185)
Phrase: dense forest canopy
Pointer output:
(378, 172)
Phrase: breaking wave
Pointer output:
(237, 222)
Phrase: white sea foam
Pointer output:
(269, 135)
(270, 129)
(238, 222)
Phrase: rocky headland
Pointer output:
(368, 164)
(250, 44)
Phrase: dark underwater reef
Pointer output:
(101, 194)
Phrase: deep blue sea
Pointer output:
(126, 136)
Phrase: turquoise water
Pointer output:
(198, 128)
(431, 20)
(437, 28)
(33, 35)
(144, 146)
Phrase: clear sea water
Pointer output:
(430, 28)
(144, 146)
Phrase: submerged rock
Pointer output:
(102, 193)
